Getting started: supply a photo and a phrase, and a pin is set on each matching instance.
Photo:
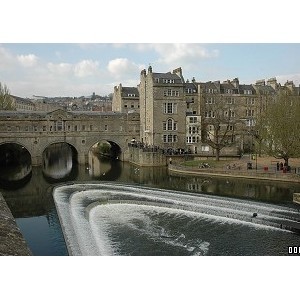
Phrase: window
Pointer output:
(250, 101)
(91, 127)
(83, 127)
(59, 125)
(209, 114)
(210, 101)
(250, 122)
(75, 128)
(249, 113)
(170, 125)
(168, 80)
(170, 138)
(171, 93)
(193, 119)
(205, 148)
(105, 127)
(247, 92)
(44, 128)
(170, 108)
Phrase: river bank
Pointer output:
(12, 242)
(263, 168)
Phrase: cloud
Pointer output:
(123, 67)
(291, 77)
(169, 55)
(86, 68)
(28, 60)
(6, 59)
(60, 69)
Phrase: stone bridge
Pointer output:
(35, 131)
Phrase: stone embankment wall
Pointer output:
(296, 198)
(12, 242)
(144, 158)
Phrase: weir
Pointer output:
(89, 213)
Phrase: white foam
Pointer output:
(86, 212)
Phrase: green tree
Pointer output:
(6, 101)
(281, 126)
(104, 148)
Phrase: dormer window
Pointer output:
(168, 80)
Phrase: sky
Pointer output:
(54, 49)
(79, 69)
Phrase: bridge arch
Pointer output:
(23, 145)
(15, 164)
(116, 147)
(44, 148)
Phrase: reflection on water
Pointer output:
(58, 161)
(32, 202)
(15, 166)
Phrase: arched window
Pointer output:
(170, 124)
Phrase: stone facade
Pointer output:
(162, 109)
(180, 114)
(126, 99)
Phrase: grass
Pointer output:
(212, 163)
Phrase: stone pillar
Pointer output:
(83, 159)
(36, 161)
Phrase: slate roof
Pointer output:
(168, 75)
(129, 90)
(246, 87)
(265, 89)
(190, 85)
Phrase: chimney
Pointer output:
(178, 72)
(235, 83)
(272, 82)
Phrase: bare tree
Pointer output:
(6, 101)
(218, 127)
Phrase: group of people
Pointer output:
(283, 167)
(153, 148)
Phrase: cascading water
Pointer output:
(117, 219)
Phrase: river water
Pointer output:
(153, 213)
